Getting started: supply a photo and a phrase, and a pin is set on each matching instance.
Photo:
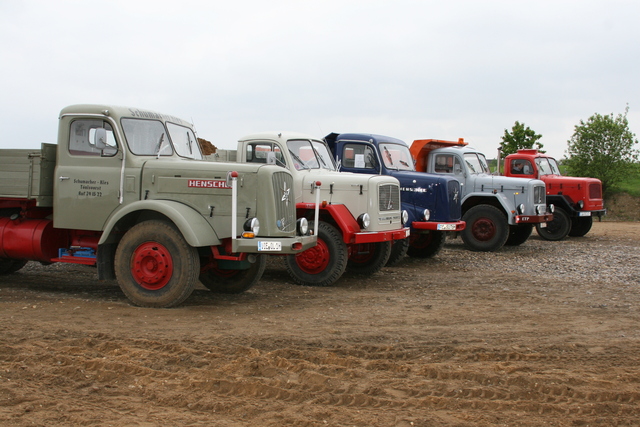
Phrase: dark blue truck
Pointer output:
(432, 201)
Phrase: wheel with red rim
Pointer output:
(426, 245)
(368, 258)
(487, 228)
(225, 281)
(155, 267)
(323, 264)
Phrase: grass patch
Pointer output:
(630, 184)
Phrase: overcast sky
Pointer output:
(407, 69)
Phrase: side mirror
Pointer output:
(100, 138)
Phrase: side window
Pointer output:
(91, 138)
(360, 156)
(444, 163)
(521, 167)
(265, 153)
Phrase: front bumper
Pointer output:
(533, 219)
(439, 226)
(379, 236)
(598, 213)
(273, 245)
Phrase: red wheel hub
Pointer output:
(152, 266)
(483, 229)
(314, 260)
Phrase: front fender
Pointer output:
(195, 229)
(499, 200)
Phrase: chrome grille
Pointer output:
(539, 195)
(285, 201)
(389, 197)
(455, 197)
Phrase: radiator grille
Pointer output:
(454, 198)
(539, 195)
(595, 191)
(389, 197)
(285, 201)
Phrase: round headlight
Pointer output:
(405, 217)
(552, 208)
(521, 208)
(581, 204)
(426, 214)
(364, 220)
(253, 225)
(538, 209)
(303, 226)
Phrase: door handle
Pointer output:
(63, 178)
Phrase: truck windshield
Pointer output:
(310, 154)
(396, 156)
(146, 137)
(184, 141)
(476, 163)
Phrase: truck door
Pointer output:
(87, 176)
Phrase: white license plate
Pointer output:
(584, 214)
(447, 227)
(270, 246)
(543, 224)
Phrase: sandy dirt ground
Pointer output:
(521, 337)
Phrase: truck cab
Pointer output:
(576, 199)
(360, 216)
(431, 201)
(498, 210)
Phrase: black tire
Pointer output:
(368, 258)
(8, 266)
(233, 281)
(487, 228)
(518, 234)
(323, 264)
(557, 229)
(155, 267)
(426, 245)
(580, 226)
(398, 251)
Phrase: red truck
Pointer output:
(577, 200)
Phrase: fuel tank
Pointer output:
(31, 239)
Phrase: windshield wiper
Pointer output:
(298, 159)
(159, 145)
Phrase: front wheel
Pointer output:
(225, 281)
(155, 267)
(368, 258)
(322, 264)
(580, 226)
(487, 228)
(426, 245)
(557, 229)
(518, 234)
(399, 249)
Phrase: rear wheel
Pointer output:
(518, 234)
(556, 229)
(8, 266)
(426, 245)
(225, 281)
(487, 228)
(368, 258)
(323, 264)
(155, 267)
(398, 251)
(580, 226)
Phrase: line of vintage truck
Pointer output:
(129, 192)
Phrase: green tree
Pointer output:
(519, 137)
(603, 148)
